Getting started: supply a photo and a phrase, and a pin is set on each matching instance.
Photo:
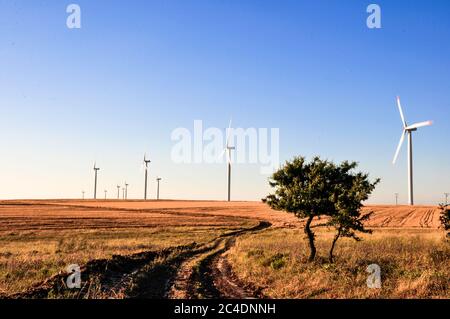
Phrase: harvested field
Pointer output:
(175, 249)
(404, 216)
(385, 216)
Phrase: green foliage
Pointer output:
(255, 253)
(322, 188)
(445, 217)
(276, 261)
(305, 189)
(354, 189)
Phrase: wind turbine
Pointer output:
(158, 179)
(83, 194)
(96, 169)
(146, 162)
(407, 130)
(118, 191)
(105, 193)
(228, 150)
(126, 190)
(396, 199)
(446, 198)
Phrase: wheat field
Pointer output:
(38, 239)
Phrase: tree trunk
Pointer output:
(310, 234)
(333, 245)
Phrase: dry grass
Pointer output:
(38, 241)
(414, 264)
(41, 238)
(30, 257)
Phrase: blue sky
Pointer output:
(137, 70)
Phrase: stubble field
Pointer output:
(208, 249)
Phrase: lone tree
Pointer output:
(317, 188)
(353, 189)
(445, 218)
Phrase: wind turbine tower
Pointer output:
(158, 179)
(96, 169)
(146, 162)
(407, 130)
(228, 150)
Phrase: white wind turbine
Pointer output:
(145, 167)
(228, 150)
(96, 169)
(408, 130)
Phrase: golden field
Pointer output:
(414, 264)
(39, 239)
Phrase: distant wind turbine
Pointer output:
(96, 169)
(407, 130)
(118, 191)
(146, 162)
(83, 194)
(158, 179)
(228, 150)
(126, 190)
(105, 193)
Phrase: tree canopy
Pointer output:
(321, 188)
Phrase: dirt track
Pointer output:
(208, 275)
(189, 271)
(186, 272)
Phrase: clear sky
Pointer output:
(137, 70)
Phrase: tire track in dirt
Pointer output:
(231, 287)
(427, 219)
(180, 286)
(101, 278)
(189, 272)
(409, 216)
(219, 281)
(208, 275)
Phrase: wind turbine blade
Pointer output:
(401, 111)
(402, 138)
(421, 124)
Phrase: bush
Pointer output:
(445, 218)
(276, 261)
